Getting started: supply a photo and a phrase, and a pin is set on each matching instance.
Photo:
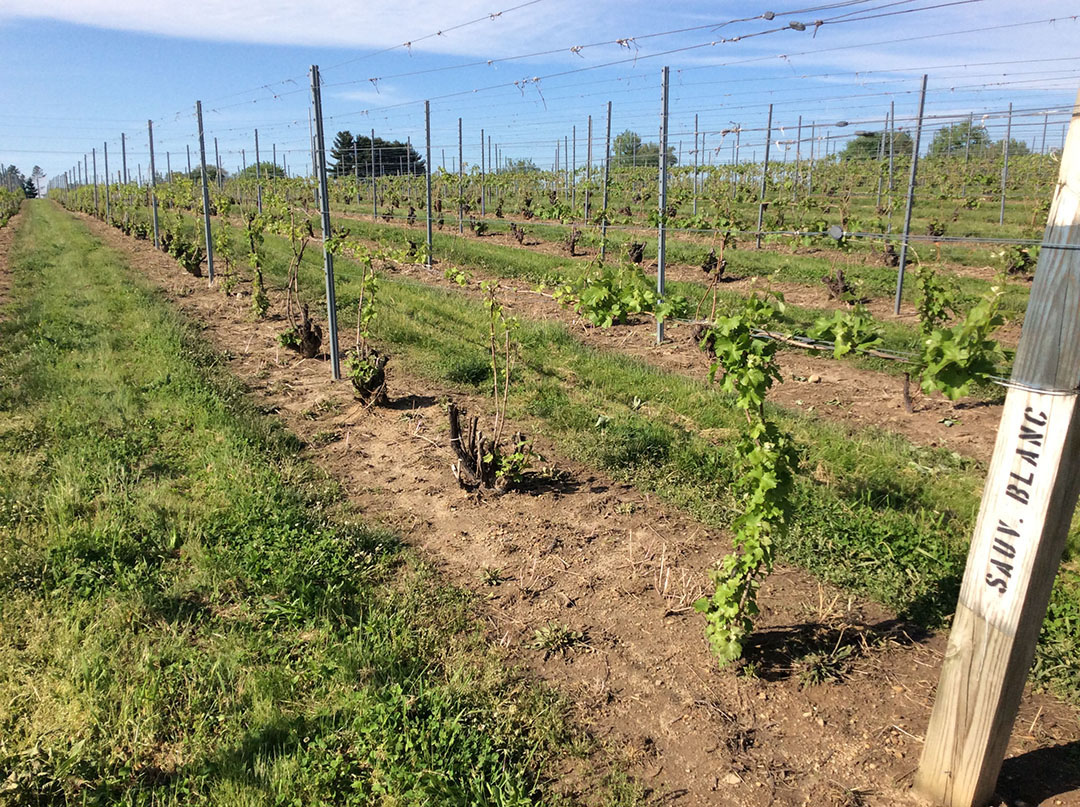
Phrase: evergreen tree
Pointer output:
(391, 156)
(341, 154)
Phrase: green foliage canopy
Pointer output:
(392, 157)
(628, 149)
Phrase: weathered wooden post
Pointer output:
(1028, 502)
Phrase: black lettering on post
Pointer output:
(996, 582)
(1030, 435)
(1024, 480)
(1017, 493)
(1040, 421)
(1002, 566)
(1005, 528)
(1002, 548)
(1030, 457)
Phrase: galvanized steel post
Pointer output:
(607, 178)
(764, 179)
(319, 144)
(153, 183)
(427, 173)
(661, 245)
(910, 197)
(205, 196)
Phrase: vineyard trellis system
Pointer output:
(823, 202)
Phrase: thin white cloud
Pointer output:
(325, 23)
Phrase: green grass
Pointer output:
(188, 613)
(539, 268)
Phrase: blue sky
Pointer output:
(77, 74)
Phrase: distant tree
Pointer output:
(341, 153)
(37, 175)
(868, 145)
(29, 188)
(1017, 148)
(628, 149)
(211, 173)
(266, 169)
(959, 138)
(391, 156)
(11, 178)
(524, 166)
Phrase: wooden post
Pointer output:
(1029, 498)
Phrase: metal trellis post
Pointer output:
(1005, 166)
(427, 175)
(205, 195)
(153, 183)
(910, 197)
(108, 209)
(324, 210)
(661, 245)
(93, 154)
(460, 181)
(764, 179)
(607, 178)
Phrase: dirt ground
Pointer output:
(577, 550)
(7, 237)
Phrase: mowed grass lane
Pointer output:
(188, 615)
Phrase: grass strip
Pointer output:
(188, 614)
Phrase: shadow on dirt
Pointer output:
(818, 652)
(407, 403)
(1039, 776)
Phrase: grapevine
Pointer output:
(769, 460)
